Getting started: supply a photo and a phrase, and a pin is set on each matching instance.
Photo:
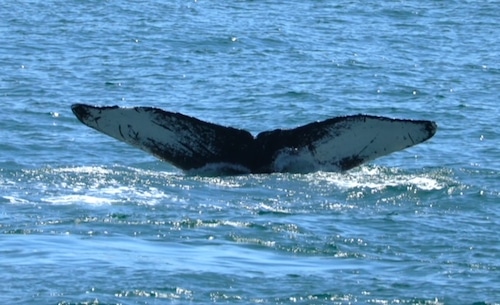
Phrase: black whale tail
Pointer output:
(336, 144)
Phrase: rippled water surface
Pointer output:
(85, 219)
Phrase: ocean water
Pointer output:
(85, 219)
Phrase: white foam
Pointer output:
(379, 178)
(83, 170)
(92, 185)
(95, 195)
(15, 200)
(79, 199)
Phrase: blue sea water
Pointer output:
(85, 219)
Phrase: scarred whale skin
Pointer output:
(336, 144)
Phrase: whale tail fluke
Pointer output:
(342, 143)
(336, 144)
(184, 141)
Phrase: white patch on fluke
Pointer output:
(360, 139)
(140, 128)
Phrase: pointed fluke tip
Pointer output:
(80, 111)
(431, 127)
